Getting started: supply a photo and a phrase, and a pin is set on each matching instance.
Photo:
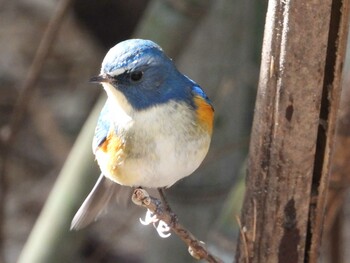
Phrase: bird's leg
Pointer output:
(164, 199)
(166, 205)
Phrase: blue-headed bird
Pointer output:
(154, 129)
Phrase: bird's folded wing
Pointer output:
(102, 128)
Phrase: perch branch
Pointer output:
(195, 247)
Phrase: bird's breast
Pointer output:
(164, 144)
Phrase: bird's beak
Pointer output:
(103, 78)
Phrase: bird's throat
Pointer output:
(120, 108)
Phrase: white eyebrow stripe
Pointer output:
(117, 72)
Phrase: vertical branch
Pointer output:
(336, 246)
(293, 131)
(340, 177)
(336, 49)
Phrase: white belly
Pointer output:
(170, 161)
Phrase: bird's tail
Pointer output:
(95, 203)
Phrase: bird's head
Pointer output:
(139, 75)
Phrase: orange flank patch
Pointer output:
(205, 113)
(103, 147)
(112, 144)
(110, 155)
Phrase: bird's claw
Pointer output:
(161, 227)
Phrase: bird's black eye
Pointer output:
(136, 75)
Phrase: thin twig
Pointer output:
(244, 239)
(26, 93)
(36, 67)
(196, 248)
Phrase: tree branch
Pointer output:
(195, 247)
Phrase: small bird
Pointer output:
(154, 129)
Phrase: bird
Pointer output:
(154, 129)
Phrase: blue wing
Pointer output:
(102, 128)
(197, 91)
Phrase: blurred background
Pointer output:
(48, 168)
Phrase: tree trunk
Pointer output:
(293, 131)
